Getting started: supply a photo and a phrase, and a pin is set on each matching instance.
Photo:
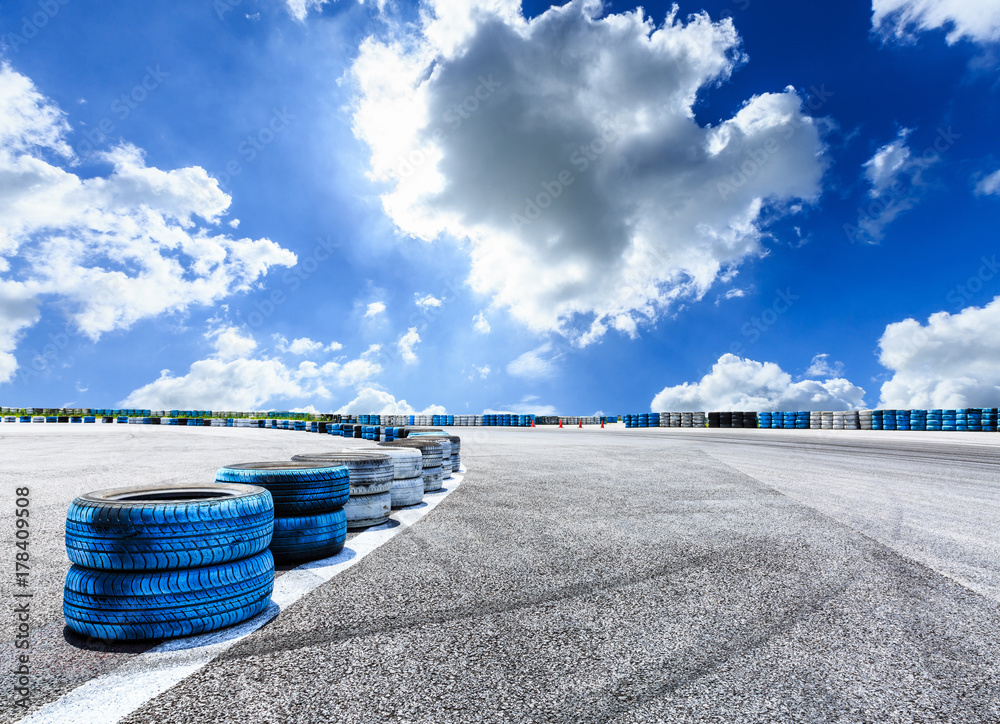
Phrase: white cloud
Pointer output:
(334, 347)
(894, 175)
(743, 384)
(989, 185)
(529, 405)
(539, 363)
(474, 109)
(481, 324)
(406, 345)
(134, 244)
(229, 379)
(427, 302)
(735, 294)
(822, 367)
(240, 384)
(231, 344)
(18, 311)
(374, 309)
(949, 362)
(304, 346)
(978, 20)
(480, 372)
(371, 401)
(299, 9)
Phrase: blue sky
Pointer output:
(490, 205)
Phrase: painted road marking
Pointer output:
(112, 696)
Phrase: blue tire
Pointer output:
(297, 488)
(310, 537)
(140, 605)
(168, 526)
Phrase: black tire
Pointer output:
(168, 526)
(139, 605)
(310, 537)
(297, 488)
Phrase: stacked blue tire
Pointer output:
(309, 518)
(168, 560)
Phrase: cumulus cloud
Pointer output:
(977, 20)
(299, 9)
(136, 243)
(536, 364)
(744, 384)
(989, 185)
(18, 311)
(230, 343)
(427, 302)
(895, 180)
(304, 346)
(372, 401)
(553, 159)
(407, 344)
(481, 324)
(230, 379)
(822, 367)
(480, 372)
(949, 362)
(374, 309)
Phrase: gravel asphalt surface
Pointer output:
(586, 576)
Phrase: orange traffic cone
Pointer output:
(581, 424)
(560, 424)
(532, 423)
(602, 424)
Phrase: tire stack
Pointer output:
(975, 417)
(408, 482)
(167, 560)
(715, 419)
(445, 440)
(990, 419)
(456, 453)
(948, 420)
(902, 419)
(865, 419)
(309, 498)
(432, 452)
(888, 419)
(837, 423)
(826, 420)
(918, 420)
(750, 420)
(852, 420)
(371, 476)
(933, 423)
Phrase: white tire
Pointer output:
(364, 511)
(408, 491)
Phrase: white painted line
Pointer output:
(112, 696)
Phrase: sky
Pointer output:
(391, 206)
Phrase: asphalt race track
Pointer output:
(574, 575)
